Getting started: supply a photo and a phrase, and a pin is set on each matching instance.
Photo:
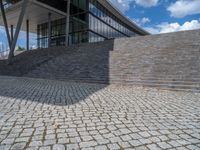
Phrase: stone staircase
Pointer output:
(83, 62)
(166, 61)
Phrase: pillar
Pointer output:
(67, 23)
(27, 34)
(18, 27)
(5, 23)
(12, 32)
(49, 29)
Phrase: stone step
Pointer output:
(168, 61)
(161, 82)
(167, 86)
(156, 76)
(162, 86)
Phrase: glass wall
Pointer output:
(78, 27)
(104, 23)
(89, 22)
(57, 33)
(78, 22)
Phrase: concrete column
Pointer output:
(18, 27)
(27, 35)
(67, 23)
(49, 29)
(5, 23)
(12, 32)
(38, 36)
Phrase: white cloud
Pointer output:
(145, 20)
(147, 3)
(124, 5)
(182, 8)
(141, 21)
(166, 27)
(152, 30)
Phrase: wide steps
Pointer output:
(166, 61)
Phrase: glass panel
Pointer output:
(106, 24)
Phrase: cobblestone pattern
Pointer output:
(45, 115)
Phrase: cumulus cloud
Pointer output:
(141, 21)
(166, 27)
(182, 8)
(147, 3)
(145, 20)
(124, 5)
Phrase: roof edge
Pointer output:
(126, 20)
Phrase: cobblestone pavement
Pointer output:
(44, 115)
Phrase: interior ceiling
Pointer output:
(36, 13)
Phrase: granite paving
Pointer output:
(38, 114)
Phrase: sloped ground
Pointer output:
(27, 61)
(87, 62)
(46, 114)
(167, 61)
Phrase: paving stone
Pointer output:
(144, 134)
(126, 138)
(113, 146)
(95, 116)
(141, 148)
(102, 141)
(72, 146)
(18, 146)
(193, 147)
(63, 140)
(174, 143)
(5, 147)
(103, 147)
(49, 142)
(58, 147)
(88, 144)
(153, 147)
(135, 143)
(164, 145)
(124, 145)
(45, 148)
(35, 143)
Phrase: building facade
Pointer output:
(89, 21)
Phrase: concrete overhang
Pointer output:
(116, 12)
(36, 13)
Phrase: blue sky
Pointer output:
(161, 16)
(21, 40)
(156, 16)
